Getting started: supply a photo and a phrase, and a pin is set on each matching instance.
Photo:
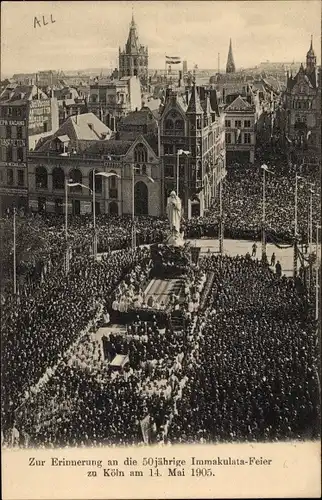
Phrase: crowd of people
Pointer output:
(243, 365)
(244, 368)
(255, 371)
(242, 215)
(38, 328)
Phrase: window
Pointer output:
(228, 138)
(227, 123)
(9, 154)
(237, 123)
(247, 123)
(10, 177)
(19, 132)
(168, 170)
(8, 132)
(58, 178)
(198, 122)
(247, 138)
(140, 154)
(45, 127)
(41, 178)
(169, 124)
(143, 172)
(21, 177)
(179, 125)
(168, 149)
(76, 176)
(20, 154)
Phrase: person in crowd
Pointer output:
(278, 269)
(273, 259)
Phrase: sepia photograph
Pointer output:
(160, 227)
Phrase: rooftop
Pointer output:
(86, 127)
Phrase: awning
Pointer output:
(63, 138)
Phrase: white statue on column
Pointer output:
(174, 212)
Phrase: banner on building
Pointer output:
(40, 117)
(85, 207)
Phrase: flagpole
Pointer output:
(14, 253)
(317, 274)
(66, 225)
(264, 215)
(177, 173)
(94, 215)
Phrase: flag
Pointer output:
(308, 134)
(172, 60)
(237, 135)
(182, 152)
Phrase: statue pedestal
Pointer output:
(175, 240)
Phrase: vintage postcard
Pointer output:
(160, 228)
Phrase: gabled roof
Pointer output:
(142, 117)
(85, 127)
(15, 92)
(239, 104)
(194, 105)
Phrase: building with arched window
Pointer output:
(302, 106)
(136, 169)
(192, 120)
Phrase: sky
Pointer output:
(88, 34)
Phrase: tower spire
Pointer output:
(230, 66)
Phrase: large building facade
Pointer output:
(240, 123)
(135, 162)
(133, 59)
(111, 100)
(26, 116)
(302, 104)
(192, 122)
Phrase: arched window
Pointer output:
(140, 154)
(58, 178)
(41, 178)
(168, 124)
(98, 182)
(75, 175)
(179, 125)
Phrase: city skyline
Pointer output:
(89, 35)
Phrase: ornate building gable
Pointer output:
(141, 150)
(239, 104)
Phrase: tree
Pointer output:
(32, 247)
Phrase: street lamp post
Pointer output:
(265, 169)
(221, 222)
(317, 273)
(179, 153)
(14, 254)
(106, 175)
(295, 249)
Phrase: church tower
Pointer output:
(133, 59)
(230, 66)
(310, 59)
